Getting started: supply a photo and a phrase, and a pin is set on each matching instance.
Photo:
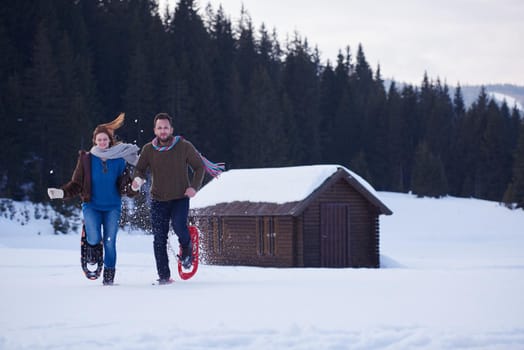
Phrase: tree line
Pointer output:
(240, 95)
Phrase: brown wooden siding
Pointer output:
(298, 242)
(311, 228)
(363, 234)
(241, 241)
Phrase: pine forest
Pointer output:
(241, 94)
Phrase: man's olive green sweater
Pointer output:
(169, 170)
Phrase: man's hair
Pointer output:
(165, 116)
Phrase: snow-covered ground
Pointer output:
(452, 278)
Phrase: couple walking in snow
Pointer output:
(100, 179)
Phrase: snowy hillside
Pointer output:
(510, 101)
(512, 94)
(452, 278)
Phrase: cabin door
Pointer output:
(334, 235)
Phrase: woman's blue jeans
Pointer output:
(94, 221)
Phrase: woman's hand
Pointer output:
(55, 193)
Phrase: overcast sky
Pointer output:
(466, 41)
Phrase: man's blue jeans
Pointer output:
(94, 221)
(162, 212)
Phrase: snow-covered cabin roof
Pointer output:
(282, 187)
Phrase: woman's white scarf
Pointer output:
(121, 150)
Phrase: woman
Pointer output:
(98, 179)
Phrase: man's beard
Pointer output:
(166, 139)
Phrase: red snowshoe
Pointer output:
(184, 273)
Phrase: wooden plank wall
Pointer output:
(298, 234)
(241, 240)
(363, 227)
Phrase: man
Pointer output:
(168, 158)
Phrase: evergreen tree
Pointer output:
(270, 54)
(17, 27)
(328, 102)
(346, 129)
(472, 130)
(514, 127)
(263, 142)
(378, 134)
(436, 110)
(6, 60)
(111, 40)
(484, 146)
(246, 58)
(10, 87)
(429, 178)
(456, 168)
(345, 137)
(191, 50)
(19, 20)
(138, 98)
(362, 88)
(396, 135)
(411, 134)
(496, 154)
(359, 165)
(226, 85)
(73, 132)
(335, 104)
(146, 86)
(11, 138)
(300, 83)
(44, 115)
(515, 190)
(363, 71)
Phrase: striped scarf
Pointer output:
(213, 169)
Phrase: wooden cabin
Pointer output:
(307, 216)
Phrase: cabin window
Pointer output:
(266, 236)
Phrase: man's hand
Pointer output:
(137, 183)
(190, 192)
